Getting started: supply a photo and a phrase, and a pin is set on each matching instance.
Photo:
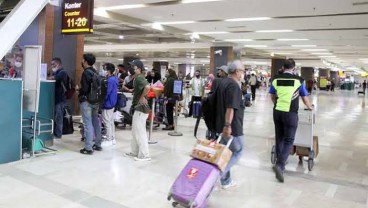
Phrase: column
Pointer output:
(220, 56)
(307, 73)
(276, 65)
(160, 67)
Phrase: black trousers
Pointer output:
(286, 124)
(253, 89)
(194, 98)
(170, 113)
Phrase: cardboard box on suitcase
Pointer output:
(213, 152)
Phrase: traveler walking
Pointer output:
(285, 91)
(197, 85)
(230, 116)
(92, 125)
(110, 102)
(253, 85)
(139, 142)
(61, 78)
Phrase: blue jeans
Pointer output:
(236, 147)
(59, 116)
(92, 125)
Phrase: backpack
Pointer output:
(208, 110)
(98, 88)
(68, 87)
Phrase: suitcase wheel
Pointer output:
(174, 204)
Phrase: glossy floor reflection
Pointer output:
(107, 179)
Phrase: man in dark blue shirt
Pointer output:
(61, 78)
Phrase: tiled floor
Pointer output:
(109, 180)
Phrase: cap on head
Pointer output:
(224, 68)
(137, 63)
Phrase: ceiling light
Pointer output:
(274, 31)
(321, 53)
(292, 39)
(157, 26)
(282, 53)
(303, 46)
(170, 23)
(127, 6)
(248, 19)
(205, 61)
(238, 40)
(121, 37)
(255, 46)
(194, 36)
(364, 59)
(327, 56)
(120, 59)
(311, 50)
(196, 1)
(212, 33)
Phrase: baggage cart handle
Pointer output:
(228, 142)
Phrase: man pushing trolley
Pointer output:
(285, 91)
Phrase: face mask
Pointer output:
(198, 76)
(54, 69)
(218, 76)
(82, 65)
(18, 64)
(131, 72)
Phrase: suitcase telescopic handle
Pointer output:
(228, 142)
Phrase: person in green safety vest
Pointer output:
(285, 91)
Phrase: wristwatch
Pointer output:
(227, 125)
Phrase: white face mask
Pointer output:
(54, 69)
(18, 64)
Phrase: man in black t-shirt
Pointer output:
(230, 114)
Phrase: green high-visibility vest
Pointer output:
(287, 91)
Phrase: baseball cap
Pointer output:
(223, 68)
(137, 63)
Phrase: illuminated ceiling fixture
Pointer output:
(282, 53)
(196, 1)
(303, 46)
(292, 39)
(327, 56)
(248, 19)
(312, 50)
(274, 31)
(194, 36)
(238, 40)
(121, 7)
(212, 33)
(121, 37)
(255, 46)
(170, 23)
(157, 26)
(321, 53)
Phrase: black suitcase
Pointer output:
(68, 127)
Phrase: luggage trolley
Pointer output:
(305, 143)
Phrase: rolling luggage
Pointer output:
(68, 127)
(194, 184)
(197, 109)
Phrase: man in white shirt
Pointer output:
(197, 84)
(253, 85)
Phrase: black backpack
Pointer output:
(98, 88)
(209, 115)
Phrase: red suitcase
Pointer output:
(194, 185)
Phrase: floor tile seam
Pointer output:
(62, 195)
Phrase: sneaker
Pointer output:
(232, 184)
(129, 154)
(97, 148)
(86, 152)
(142, 158)
(279, 174)
(114, 142)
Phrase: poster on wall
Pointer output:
(77, 16)
(163, 70)
(322, 83)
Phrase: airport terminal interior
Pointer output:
(328, 40)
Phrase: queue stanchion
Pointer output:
(150, 140)
(178, 90)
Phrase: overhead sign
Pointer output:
(77, 16)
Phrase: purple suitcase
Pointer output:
(194, 184)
